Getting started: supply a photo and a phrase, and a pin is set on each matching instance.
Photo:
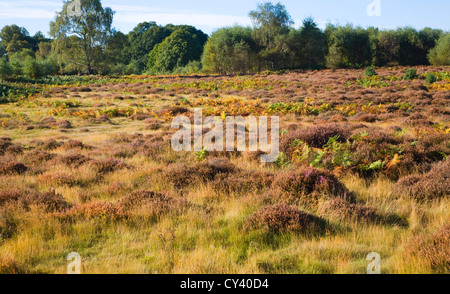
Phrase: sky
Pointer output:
(209, 15)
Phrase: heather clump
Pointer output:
(306, 185)
(182, 175)
(12, 168)
(434, 184)
(315, 136)
(433, 249)
(50, 200)
(92, 211)
(281, 218)
(153, 204)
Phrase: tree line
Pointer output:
(88, 44)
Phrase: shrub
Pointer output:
(411, 74)
(11, 267)
(432, 185)
(5, 69)
(24, 198)
(315, 136)
(153, 204)
(9, 224)
(431, 78)
(440, 55)
(182, 176)
(340, 209)
(94, 210)
(434, 249)
(108, 165)
(370, 71)
(242, 182)
(12, 167)
(307, 185)
(74, 160)
(281, 218)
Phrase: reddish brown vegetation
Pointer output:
(282, 218)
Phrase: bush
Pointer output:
(315, 136)
(12, 167)
(411, 74)
(5, 69)
(281, 218)
(153, 204)
(370, 71)
(342, 210)
(94, 210)
(307, 186)
(24, 198)
(440, 55)
(433, 249)
(432, 185)
(431, 78)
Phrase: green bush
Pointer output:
(431, 78)
(411, 74)
(370, 71)
(5, 69)
(440, 55)
(133, 68)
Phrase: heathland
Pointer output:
(86, 166)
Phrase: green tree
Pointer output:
(272, 25)
(313, 45)
(116, 51)
(230, 50)
(440, 55)
(182, 46)
(387, 49)
(14, 39)
(142, 40)
(81, 40)
(348, 47)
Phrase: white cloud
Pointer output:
(126, 14)
(28, 9)
(136, 14)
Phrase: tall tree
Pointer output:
(143, 39)
(14, 39)
(271, 27)
(313, 45)
(440, 55)
(230, 50)
(182, 46)
(82, 39)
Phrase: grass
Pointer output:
(123, 125)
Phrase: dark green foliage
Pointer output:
(313, 45)
(411, 74)
(370, 71)
(230, 50)
(431, 78)
(142, 39)
(440, 55)
(181, 47)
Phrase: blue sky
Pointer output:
(209, 15)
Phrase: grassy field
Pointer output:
(86, 166)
